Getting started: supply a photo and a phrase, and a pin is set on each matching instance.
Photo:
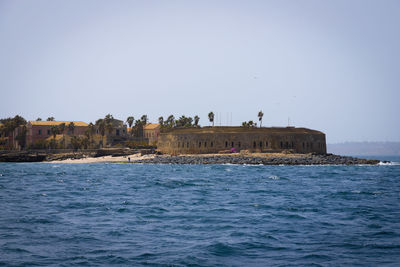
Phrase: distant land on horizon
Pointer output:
(365, 148)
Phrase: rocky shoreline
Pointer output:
(136, 156)
(306, 159)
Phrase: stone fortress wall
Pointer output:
(215, 139)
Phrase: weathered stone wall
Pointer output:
(215, 139)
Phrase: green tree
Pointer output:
(71, 127)
(75, 142)
(130, 120)
(21, 136)
(39, 119)
(211, 117)
(161, 121)
(91, 130)
(196, 120)
(84, 142)
(170, 121)
(54, 131)
(138, 128)
(62, 127)
(249, 124)
(101, 125)
(144, 119)
(50, 119)
(10, 124)
(260, 117)
(184, 122)
(108, 118)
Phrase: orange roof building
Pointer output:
(151, 131)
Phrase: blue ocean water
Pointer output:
(200, 215)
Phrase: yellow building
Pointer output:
(151, 131)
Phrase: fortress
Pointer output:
(215, 139)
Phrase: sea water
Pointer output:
(203, 215)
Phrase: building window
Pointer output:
(292, 145)
(254, 144)
(239, 144)
(260, 144)
(48, 132)
(212, 144)
(187, 145)
(311, 145)
(287, 145)
(199, 144)
(233, 144)
(226, 143)
(281, 144)
(205, 144)
(179, 144)
(39, 132)
(303, 145)
(117, 132)
(266, 144)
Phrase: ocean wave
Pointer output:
(388, 163)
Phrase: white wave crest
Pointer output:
(390, 163)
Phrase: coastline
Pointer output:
(234, 158)
(105, 159)
(150, 157)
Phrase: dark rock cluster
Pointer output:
(22, 157)
(308, 159)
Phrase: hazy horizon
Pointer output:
(332, 66)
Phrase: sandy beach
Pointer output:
(106, 159)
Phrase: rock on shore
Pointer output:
(307, 159)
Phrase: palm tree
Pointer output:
(62, 127)
(92, 129)
(260, 116)
(161, 121)
(130, 121)
(196, 120)
(170, 121)
(138, 128)
(101, 125)
(54, 131)
(109, 118)
(144, 119)
(71, 127)
(75, 142)
(211, 117)
(50, 119)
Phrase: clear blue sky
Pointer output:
(328, 65)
